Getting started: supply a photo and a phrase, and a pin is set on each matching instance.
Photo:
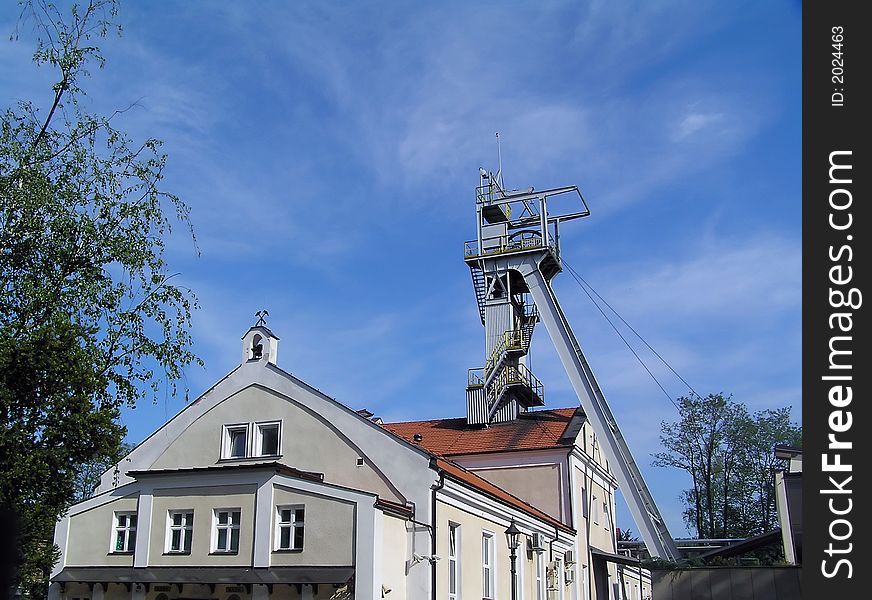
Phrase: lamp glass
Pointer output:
(513, 536)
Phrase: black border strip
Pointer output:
(835, 547)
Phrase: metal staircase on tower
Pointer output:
(513, 259)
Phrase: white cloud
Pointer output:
(694, 122)
(725, 279)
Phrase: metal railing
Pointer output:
(512, 340)
(513, 375)
(530, 311)
(515, 242)
(475, 377)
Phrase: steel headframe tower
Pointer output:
(513, 259)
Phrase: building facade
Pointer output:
(264, 488)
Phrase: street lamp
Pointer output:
(513, 539)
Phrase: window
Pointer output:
(268, 439)
(595, 506)
(540, 583)
(125, 532)
(606, 516)
(235, 443)
(487, 565)
(245, 440)
(453, 564)
(226, 531)
(181, 527)
(290, 521)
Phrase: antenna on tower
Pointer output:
(500, 159)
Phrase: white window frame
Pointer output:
(126, 530)
(258, 437)
(595, 511)
(488, 565)
(454, 560)
(227, 437)
(186, 529)
(292, 525)
(606, 516)
(231, 526)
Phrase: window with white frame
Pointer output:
(267, 438)
(180, 529)
(595, 506)
(225, 533)
(235, 441)
(540, 579)
(290, 525)
(487, 565)
(124, 539)
(606, 516)
(453, 561)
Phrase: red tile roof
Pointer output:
(534, 430)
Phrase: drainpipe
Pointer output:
(435, 489)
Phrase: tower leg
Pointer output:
(639, 500)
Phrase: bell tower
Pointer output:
(259, 344)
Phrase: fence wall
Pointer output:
(728, 583)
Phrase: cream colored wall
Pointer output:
(80, 590)
(539, 485)
(92, 535)
(587, 441)
(203, 501)
(471, 528)
(395, 553)
(635, 582)
(328, 535)
(307, 441)
(601, 531)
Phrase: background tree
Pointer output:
(626, 535)
(729, 455)
(88, 474)
(90, 319)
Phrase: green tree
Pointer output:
(88, 474)
(90, 317)
(729, 456)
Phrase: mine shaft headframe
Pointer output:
(490, 192)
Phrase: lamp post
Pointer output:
(513, 539)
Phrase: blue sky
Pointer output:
(329, 153)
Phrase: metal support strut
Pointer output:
(639, 500)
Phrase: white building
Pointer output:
(264, 487)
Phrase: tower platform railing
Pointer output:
(518, 241)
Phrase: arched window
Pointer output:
(257, 347)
